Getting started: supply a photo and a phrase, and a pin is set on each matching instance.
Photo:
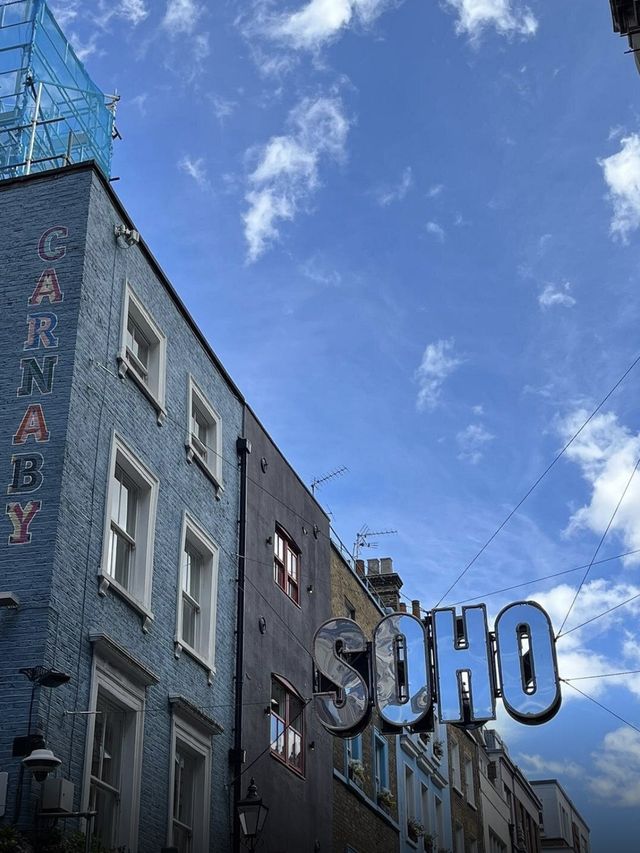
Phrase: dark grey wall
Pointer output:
(300, 808)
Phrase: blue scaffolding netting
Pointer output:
(51, 112)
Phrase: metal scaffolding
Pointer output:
(51, 112)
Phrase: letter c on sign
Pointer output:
(46, 250)
(527, 664)
(346, 710)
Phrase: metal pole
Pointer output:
(34, 127)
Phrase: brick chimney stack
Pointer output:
(384, 582)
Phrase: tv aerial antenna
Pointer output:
(363, 539)
(319, 481)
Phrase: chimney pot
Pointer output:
(415, 607)
(373, 567)
(403, 607)
(360, 568)
(386, 566)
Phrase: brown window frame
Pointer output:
(288, 725)
(281, 566)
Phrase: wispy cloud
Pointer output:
(556, 295)
(317, 271)
(606, 452)
(84, 49)
(617, 761)
(471, 442)
(439, 360)
(222, 108)
(66, 14)
(538, 764)
(390, 194)
(507, 17)
(435, 190)
(195, 169)
(181, 17)
(287, 171)
(622, 176)
(436, 231)
(318, 22)
(133, 11)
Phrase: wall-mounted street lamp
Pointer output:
(252, 814)
(32, 746)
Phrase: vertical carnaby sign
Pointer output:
(35, 379)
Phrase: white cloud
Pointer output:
(438, 362)
(222, 108)
(617, 761)
(507, 17)
(537, 764)
(471, 442)
(317, 271)
(66, 14)
(134, 11)
(319, 22)
(435, 190)
(622, 176)
(577, 659)
(84, 49)
(397, 192)
(478, 410)
(287, 170)
(195, 169)
(436, 230)
(606, 452)
(556, 295)
(181, 17)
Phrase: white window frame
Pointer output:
(139, 595)
(204, 544)
(468, 782)
(199, 745)
(212, 466)
(455, 771)
(128, 365)
(120, 690)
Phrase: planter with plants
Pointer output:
(415, 830)
(356, 772)
(386, 799)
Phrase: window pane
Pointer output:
(120, 558)
(181, 838)
(277, 735)
(125, 502)
(295, 748)
(192, 572)
(137, 342)
(106, 805)
(189, 623)
(292, 565)
(278, 699)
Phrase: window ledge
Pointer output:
(106, 582)
(180, 646)
(194, 456)
(125, 369)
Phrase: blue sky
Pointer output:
(409, 229)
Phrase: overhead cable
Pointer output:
(561, 453)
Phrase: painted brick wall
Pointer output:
(40, 285)
(99, 403)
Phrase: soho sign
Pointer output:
(452, 660)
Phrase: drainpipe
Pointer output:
(243, 446)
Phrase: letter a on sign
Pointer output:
(48, 287)
(33, 423)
